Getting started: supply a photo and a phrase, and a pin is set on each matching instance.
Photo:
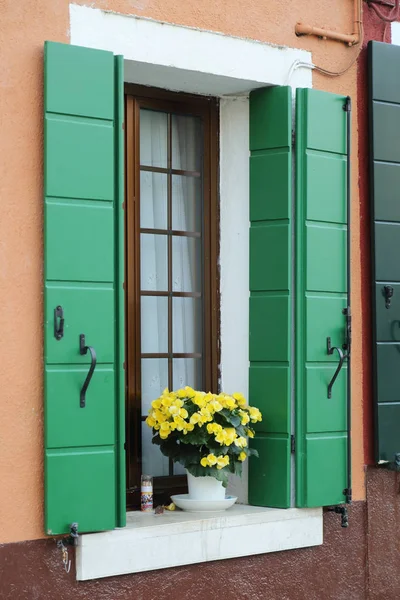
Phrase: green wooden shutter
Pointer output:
(384, 111)
(321, 298)
(83, 158)
(270, 293)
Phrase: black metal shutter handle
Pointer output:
(83, 350)
(330, 350)
(58, 325)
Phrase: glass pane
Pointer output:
(153, 462)
(187, 325)
(153, 138)
(153, 200)
(153, 262)
(186, 264)
(187, 371)
(186, 203)
(154, 324)
(154, 380)
(187, 140)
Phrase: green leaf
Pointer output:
(230, 417)
(252, 452)
(238, 468)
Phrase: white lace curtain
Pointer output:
(186, 261)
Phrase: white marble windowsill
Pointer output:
(172, 539)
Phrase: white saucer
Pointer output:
(185, 503)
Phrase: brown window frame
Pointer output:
(137, 97)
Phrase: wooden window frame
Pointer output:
(137, 97)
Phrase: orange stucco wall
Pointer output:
(24, 26)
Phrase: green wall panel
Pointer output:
(331, 169)
(84, 308)
(386, 131)
(269, 328)
(92, 426)
(80, 164)
(388, 358)
(321, 286)
(270, 241)
(387, 241)
(79, 81)
(322, 133)
(388, 430)
(269, 481)
(266, 385)
(323, 413)
(387, 328)
(82, 484)
(84, 466)
(326, 469)
(270, 293)
(326, 258)
(271, 122)
(324, 318)
(386, 185)
(82, 249)
(268, 181)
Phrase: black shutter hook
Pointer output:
(83, 350)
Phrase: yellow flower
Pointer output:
(214, 428)
(215, 406)
(199, 399)
(242, 456)
(150, 421)
(165, 426)
(222, 461)
(190, 392)
(245, 417)
(189, 427)
(181, 393)
(156, 403)
(183, 413)
(180, 423)
(250, 433)
(204, 462)
(255, 414)
(241, 442)
(211, 459)
(230, 403)
(160, 416)
(195, 418)
(240, 399)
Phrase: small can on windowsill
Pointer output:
(146, 494)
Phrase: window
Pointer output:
(171, 266)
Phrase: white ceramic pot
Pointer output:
(205, 488)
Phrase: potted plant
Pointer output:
(207, 434)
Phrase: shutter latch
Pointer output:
(292, 444)
(341, 510)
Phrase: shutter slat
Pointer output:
(384, 111)
(270, 293)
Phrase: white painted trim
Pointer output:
(396, 33)
(152, 542)
(186, 59)
(190, 60)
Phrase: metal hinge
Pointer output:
(292, 444)
(293, 139)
